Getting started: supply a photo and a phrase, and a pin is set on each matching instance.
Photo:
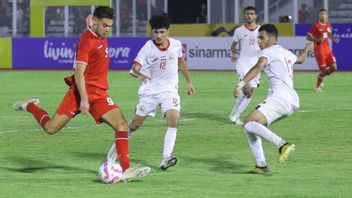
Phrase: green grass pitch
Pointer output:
(213, 153)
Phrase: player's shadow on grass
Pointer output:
(34, 166)
(219, 165)
(205, 116)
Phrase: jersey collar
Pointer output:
(162, 48)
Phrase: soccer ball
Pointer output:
(110, 173)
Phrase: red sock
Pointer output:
(121, 142)
(39, 114)
(329, 70)
(320, 79)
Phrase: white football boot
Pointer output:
(135, 173)
(168, 162)
(22, 105)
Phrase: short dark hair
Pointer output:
(160, 21)
(250, 8)
(103, 12)
(270, 29)
(322, 10)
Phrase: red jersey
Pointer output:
(92, 51)
(320, 30)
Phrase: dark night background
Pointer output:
(184, 11)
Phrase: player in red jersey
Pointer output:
(88, 92)
(319, 34)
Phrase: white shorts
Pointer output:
(147, 105)
(242, 68)
(274, 108)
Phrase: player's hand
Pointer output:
(234, 57)
(190, 89)
(320, 40)
(336, 40)
(144, 79)
(84, 106)
(238, 89)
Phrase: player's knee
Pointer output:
(134, 126)
(52, 129)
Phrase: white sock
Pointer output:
(245, 102)
(112, 154)
(237, 104)
(169, 141)
(262, 131)
(255, 144)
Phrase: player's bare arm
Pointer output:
(135, 71)
(303, 55)
(184, 69)
(234, 51)
(81, 86)
(252, 73)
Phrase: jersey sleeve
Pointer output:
(142, 55)
(179, 50)
(235, 36)
(83, 50)
(312, 31)
(267, 54)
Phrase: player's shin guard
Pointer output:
(39, 114)
(121, 142)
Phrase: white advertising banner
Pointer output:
(213, 53)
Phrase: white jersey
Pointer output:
(161, 65)
(279, 69)
(247, 41)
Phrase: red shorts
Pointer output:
(99, 101)
(325, 59)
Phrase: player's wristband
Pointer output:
(241, 84)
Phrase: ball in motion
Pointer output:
(110, 173)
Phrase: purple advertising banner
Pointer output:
(342, 52)
(339, 30)
(59, 53)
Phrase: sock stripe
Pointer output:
(121, 138)
(41, 119)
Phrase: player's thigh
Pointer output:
(275, 108)
(256, 116)
(330, 59)
(115, 119)
(105, 110)
(321, 60)
(147, 106)
(69, 105)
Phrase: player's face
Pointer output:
(323, 16)
(263, 39)
(160, 35)
(102, 26)
(250, 16)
